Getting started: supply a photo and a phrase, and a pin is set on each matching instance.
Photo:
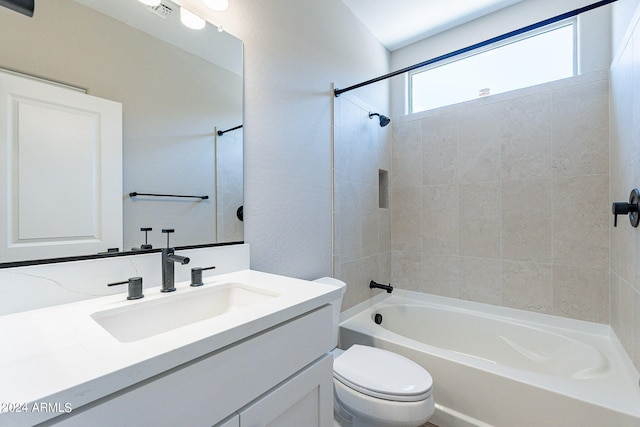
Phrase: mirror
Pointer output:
(177, 87)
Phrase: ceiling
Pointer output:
(399, 23)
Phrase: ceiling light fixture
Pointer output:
(191, 20)
(219, 5)
(152, 3)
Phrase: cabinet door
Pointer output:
(61, 162)
(306, 399)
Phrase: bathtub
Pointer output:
(495, 366)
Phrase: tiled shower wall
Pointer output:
(504, 199)
(625, 175)
(362, 229)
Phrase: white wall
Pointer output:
(621, 16)
(624, 172)
(294, 50)
(593, 37)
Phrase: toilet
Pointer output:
(373, 387)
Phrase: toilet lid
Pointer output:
(383, 374)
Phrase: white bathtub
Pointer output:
(494, 366)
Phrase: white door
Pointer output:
(61, 176)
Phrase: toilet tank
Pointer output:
(335, 304)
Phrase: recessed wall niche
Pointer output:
(383, 189)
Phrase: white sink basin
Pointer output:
(145, 319)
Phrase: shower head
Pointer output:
(384, 120)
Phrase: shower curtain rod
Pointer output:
(222, 132)
(504, 36)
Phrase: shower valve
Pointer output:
(624, 208)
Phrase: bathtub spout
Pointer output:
(387, 288)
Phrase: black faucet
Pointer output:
(168, 258)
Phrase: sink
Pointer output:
(145, 319)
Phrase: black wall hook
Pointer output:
(624, 208)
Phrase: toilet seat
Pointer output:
(382, 374)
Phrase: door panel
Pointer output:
(62, 184)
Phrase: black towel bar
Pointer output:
(134, 194)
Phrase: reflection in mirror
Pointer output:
(177, 87)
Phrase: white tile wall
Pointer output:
(624, 176)
(362, 230)
(508, 204)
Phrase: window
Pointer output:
(542, 56)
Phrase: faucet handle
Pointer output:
(135, 287)
(168, 231)
(146, 241)
(196, 275)
(632, 209)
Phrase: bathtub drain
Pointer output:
(377, 318)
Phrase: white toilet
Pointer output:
(375, 387)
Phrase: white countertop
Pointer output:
(61, 356)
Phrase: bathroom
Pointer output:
(294, 51)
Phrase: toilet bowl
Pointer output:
(375, 387)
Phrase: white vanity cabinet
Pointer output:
(303, 400)
(281, 376)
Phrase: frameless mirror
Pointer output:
(177, 87)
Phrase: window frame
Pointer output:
(492, 46)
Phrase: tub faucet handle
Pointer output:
(135, 287)
(196, 275)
